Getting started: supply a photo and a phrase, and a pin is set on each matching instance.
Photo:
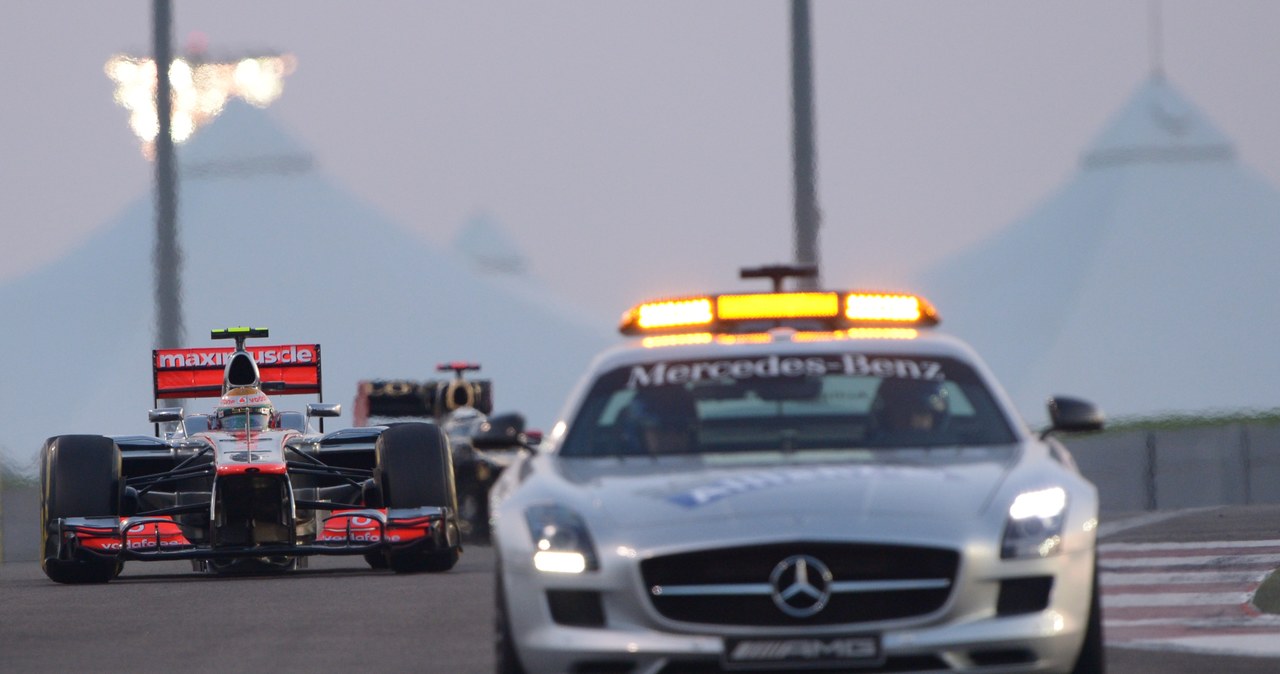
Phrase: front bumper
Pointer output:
(969, 634)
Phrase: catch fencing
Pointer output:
(1227, 464)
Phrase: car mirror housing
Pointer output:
(505, 432)
(1073, 415)
(164, 415)
(324, 409)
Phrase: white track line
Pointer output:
(1176, 599)
(1207, 545)
(1123, 578)
(1211, 561)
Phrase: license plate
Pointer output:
(802, 652)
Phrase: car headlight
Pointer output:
(1034, 527)
(560, 540)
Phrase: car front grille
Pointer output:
(800, 583)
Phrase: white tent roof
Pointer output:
(1148, 283)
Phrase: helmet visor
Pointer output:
(244, 418)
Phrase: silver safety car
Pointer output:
(796, 481)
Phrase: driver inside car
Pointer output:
(243, 409)
(660, 420)
(906, 409)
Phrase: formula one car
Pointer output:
(462, 407)
(796, 481)
(246, 489)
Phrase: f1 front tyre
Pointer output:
(415, 469)
(79, 477)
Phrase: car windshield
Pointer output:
(251, 418)
(819, 401)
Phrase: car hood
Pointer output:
(641, 492)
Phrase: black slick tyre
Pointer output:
(79, 477)
(415, 469)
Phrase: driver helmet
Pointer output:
(911, 406)
(244, 408)
(659, 420)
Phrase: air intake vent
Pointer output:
(241, 370)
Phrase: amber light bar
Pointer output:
(674, 313)
(777, 305)
(833, 310)
(888, 308)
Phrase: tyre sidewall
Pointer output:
(80, 476)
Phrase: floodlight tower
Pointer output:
(167, 256)
(169, 98)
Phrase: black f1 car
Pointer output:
(463, 408)
(247, 488)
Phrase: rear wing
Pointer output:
(433, 398)
(287, 369)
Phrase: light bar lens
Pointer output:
(675, 313)
(782, 305)
(676, 340)
(857, 333)
(878, 307)
(802, 311)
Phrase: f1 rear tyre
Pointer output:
(79, 477)
(415, 469)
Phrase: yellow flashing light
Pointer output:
(856, 333)
(674, 313)
(883, 333)
(750, 338)
(806, 311)
(888, 308)
(676, 340)
(777, 305)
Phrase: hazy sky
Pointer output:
(636, 148)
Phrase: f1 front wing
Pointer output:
(343, 532)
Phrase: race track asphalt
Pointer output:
(339, 615)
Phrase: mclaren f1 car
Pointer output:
(247, 488)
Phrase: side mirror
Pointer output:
(324, 409)
(504, 431)
(1072, 415)
(164, 415)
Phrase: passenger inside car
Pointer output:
(660, 420)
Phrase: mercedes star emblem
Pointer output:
(801, 585)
